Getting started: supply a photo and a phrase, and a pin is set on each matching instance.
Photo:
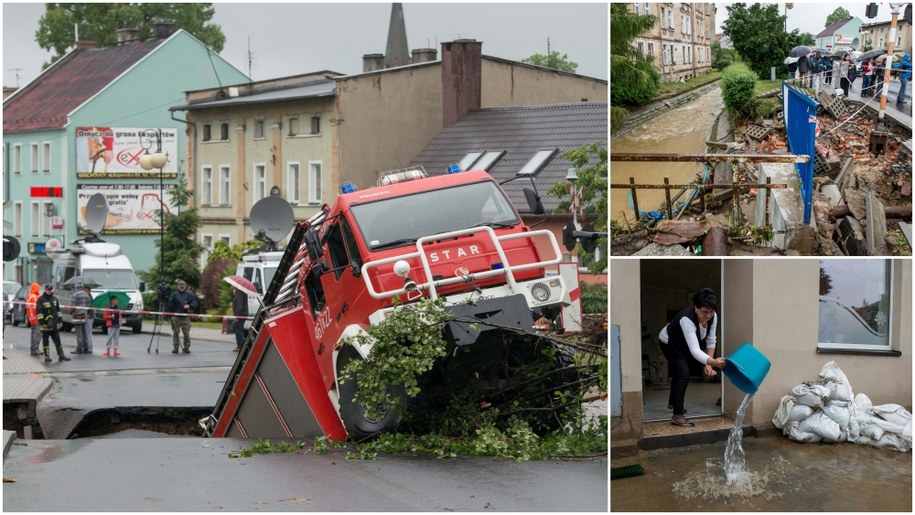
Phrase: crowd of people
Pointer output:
(43, 313)
(840, 72)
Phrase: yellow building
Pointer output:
(877, 35)
(680, 42)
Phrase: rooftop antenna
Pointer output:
(547, 46)
(250, 59)
(17, 70)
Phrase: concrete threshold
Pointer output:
(663, 434)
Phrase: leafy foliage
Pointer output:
(590, 162)
(216, 292)
(406, 344)
(635, 80)
(840, 14)
(594, 298)
(758, 33)
(553, 61)
(178, 247)
(738, 91)
(99, 22)
(264, 446)
(723, 57)
(617, 116)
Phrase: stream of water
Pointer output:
(735, 469)
(681, 130)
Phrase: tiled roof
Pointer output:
(830, 30)
(521, 132)
(46, 101)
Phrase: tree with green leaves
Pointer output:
(634, 79)
(178, 247)
(840, 14)
(553, 61)
(758, 35)
(590, 163)
(100, 22)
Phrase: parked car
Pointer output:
(18, 311)
(9, 291)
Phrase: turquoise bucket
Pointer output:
(746, 368)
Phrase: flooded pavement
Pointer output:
(783, 476)
(681, 130)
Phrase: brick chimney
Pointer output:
(164, 29)
(126, 36)
(372, 62)
(424, 55)
(461, 79)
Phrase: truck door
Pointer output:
(344, 284)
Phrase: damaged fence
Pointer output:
(801, 126)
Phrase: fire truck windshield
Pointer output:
(397, 221)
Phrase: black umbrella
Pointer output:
(871, 53)
(799, 51)
(823, 52)
(841, 53)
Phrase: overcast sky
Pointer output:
(295, 38)
(811, 16)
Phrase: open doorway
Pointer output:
(666, 287)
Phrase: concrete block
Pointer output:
(833, 193)
(906, 231)
(848, 169)
(786, 207)
(876, 225)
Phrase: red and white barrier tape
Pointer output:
(144, 312)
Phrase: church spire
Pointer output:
(397, 53)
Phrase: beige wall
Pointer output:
(625, 312)
(384, 119)
(510, 84)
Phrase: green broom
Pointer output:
(624, 472)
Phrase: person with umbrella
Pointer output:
(182, 303)
(114, 319)
(868, 68)
(905, 75)
(50, 323)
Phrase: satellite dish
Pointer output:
(96, 213)
(272, 219)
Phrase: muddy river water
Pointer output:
(681, 130)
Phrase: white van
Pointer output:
(102, 264)
(258, 268)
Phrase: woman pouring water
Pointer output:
(689, 330)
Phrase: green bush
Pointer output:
(738, 91)
(722, 64)
(594, 297)
(617, 115)
(767, 108)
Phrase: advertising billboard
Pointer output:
(132, 208)
(114, 152)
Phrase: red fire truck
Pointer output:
(455, 236)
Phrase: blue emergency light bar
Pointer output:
(347, 187)
(454, 168)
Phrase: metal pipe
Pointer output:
(709, 158)
(635, 200)
(633, 185)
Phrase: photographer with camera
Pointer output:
(182, 303)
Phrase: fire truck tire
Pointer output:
(359, 426)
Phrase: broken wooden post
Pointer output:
(670, 210)
(766, 194)
(904, 212)
(635, 200)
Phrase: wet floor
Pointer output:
(783, 476)
(681, 130)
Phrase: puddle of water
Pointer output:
(681, 130)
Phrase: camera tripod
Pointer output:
(161, 294)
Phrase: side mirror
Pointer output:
(533, 201)
(142, 287)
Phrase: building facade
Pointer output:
(841, 35)
(80, 127)
(680, 42)
(877, 35)
(309, 134)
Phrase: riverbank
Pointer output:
(664, 102)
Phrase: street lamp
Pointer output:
(568, 232)
(148, 162)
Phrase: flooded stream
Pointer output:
(681, 130)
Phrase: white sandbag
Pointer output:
(821, 425)
(783, 411)
(810, 395)
(891, 440)
(893, 413)
(863, 406)
(841, 415)
(799, 412)
(839, 391)
(889, 427)
(907, 433)
(832, 371)
(795, 433)
(871, 430)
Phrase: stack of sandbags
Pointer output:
(826, 410)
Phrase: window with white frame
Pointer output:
(225, 184)
(206, 185)
(260, 181)
(293, 125)
(259, 128)
(46, 214)
(641, 48)
(226, 238)
(46, 156)
(206, 242)
(17, 219)
(34, 158)
(224, 131)
(314, 182)
(207, 132)
(17, 159)
(36, 219)
(316, 124)
(666, 57)
(855, 311)
(670, 19)
(293, 182)
(651, 49)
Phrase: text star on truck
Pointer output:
(456, 236)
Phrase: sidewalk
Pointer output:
(901, 114)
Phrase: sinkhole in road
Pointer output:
(173, 421)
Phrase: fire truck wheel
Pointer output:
(360, 426)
